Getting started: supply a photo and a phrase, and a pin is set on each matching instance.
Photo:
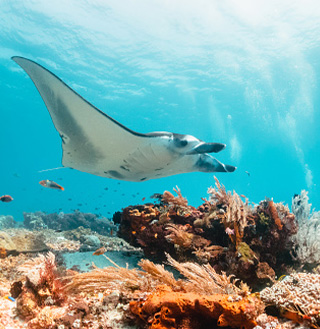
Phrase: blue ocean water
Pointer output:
(241, 73)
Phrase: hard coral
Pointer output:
(166, 309)
(296, 297)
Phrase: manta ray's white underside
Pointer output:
(95, 143)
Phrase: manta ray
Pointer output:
(95, 143)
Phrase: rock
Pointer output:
(22, 241)
(6, 242)
(92, 241)
(30, 242)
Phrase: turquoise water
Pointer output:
(241, 73)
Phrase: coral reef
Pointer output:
(224, 257)
(252, 242)
(7, 222)
(49, 297)
(65, 222)
(15, 241)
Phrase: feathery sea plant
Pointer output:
(202, 279)
(235, 210)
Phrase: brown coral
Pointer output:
(42, 287)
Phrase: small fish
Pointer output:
(143, 228)
(143, 198)
(51, 184)
(247, 172)
(156, 196)
(156, 235)
(6, 198)
(282, 277)
(10, 298)
(229, 231)
(100, 251)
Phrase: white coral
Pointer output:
(307, 240)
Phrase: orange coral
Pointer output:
(165, 309)
(3, 252)
(274, 214)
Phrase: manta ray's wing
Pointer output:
(92, 141)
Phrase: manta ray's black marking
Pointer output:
(95, 143)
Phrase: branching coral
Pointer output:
(112, 278)
(206, 281)
(174, 201)
(202, 279)
(183, 238)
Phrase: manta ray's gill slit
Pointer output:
(114, 174)
(149, 161)
(135, 162)
(124, 168)
(154, 154)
